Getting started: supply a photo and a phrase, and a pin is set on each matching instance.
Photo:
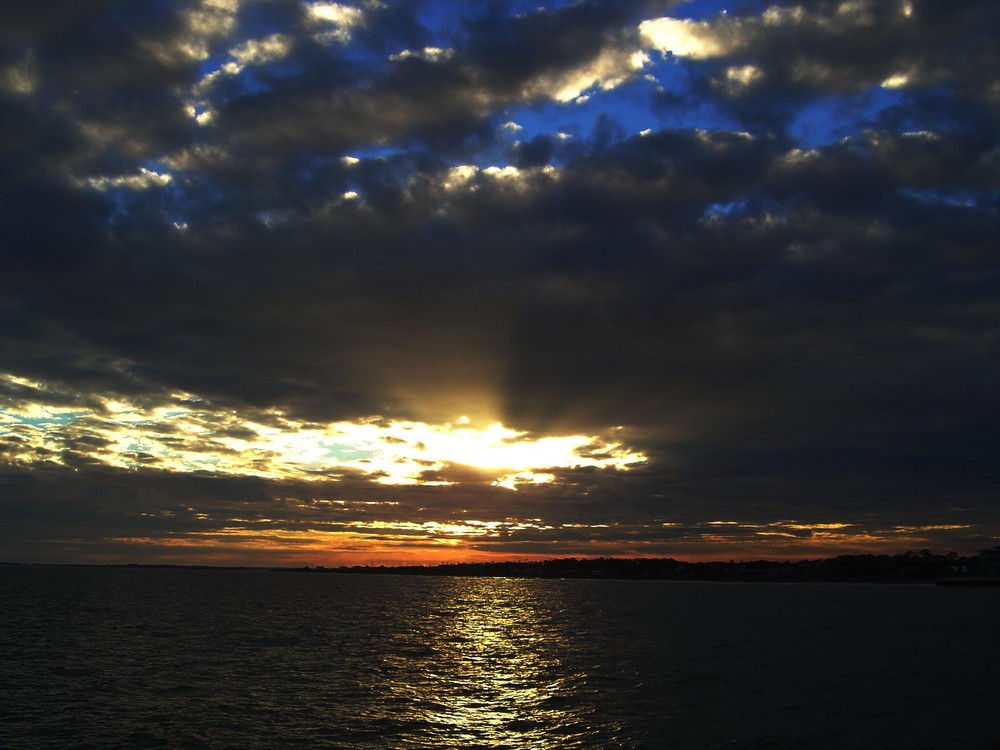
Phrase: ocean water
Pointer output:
(177, 658)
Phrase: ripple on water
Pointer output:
(136, 658)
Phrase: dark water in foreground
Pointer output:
(151, 658)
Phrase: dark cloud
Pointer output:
(349, 227)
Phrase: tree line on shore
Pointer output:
(915, 567)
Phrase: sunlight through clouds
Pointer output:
(608, 70)
(257, 51)
(269, 253)
(683, 38)
(343, 18)
(179, 436)
(142, 181)
(207, 21)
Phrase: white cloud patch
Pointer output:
(335, 13)
(145, 179)
(344, 19)
(897, 81)
(201, 115)
(612, 67)
(206, 22)
(20, 78)
(514, 174)
(430, 54)
(258, 51)
(698, 40)
(250, 52)
(726, 36)
(857, 12)
(469, 177)
(738, 79)
(459, 176)
(778, 15)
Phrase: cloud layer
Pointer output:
(742, 264)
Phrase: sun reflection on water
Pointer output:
(509, 666)
(494, 666)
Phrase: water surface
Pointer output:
(168, 658)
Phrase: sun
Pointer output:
(513, 457)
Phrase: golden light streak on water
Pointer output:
(499, 670)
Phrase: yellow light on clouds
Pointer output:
(682, 37)
(184, 434)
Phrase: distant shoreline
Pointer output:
(909, 567)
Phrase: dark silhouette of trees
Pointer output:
(914, 567)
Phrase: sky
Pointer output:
(289, 282)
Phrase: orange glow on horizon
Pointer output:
(293, 549)
(359, 541)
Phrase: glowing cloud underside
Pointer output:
(683, 38)
(185, 435)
